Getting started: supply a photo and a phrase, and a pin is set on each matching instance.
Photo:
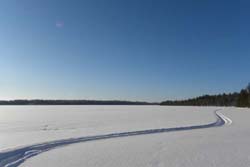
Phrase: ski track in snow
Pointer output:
(14, 158)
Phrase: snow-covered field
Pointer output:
(197, 145)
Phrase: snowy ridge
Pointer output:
(14, 158)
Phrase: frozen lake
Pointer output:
(224, 146)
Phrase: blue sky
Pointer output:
(123, 49)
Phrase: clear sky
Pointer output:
(149, 50)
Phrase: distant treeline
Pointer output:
(72, 102)
(241, 99)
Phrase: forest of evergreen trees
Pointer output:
(72, 102)
(241, 99)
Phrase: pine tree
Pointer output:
(248, 91)
(248, 88)
(243, 100)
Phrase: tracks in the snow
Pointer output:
(15, 157)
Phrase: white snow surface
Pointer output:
(223, 146)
